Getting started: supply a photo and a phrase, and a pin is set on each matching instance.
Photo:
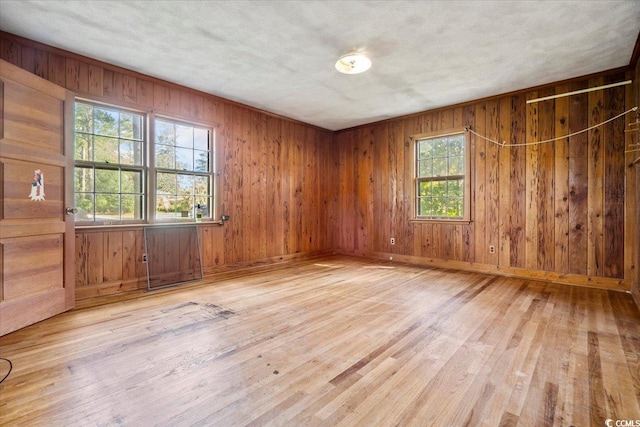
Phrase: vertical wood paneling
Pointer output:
(94, 261)
(492, 183)
(545, 193)
(112, 85)
(291, 188)
(129, 88)
(614, 183)
(28, 59)
(56, 70)
(112, 256)
(504, 180)
(130, 255)
(632, 190)
(96, 80)
(468, 230)
(531, 185)
(274, 186)
(41, 64)
(594, 189)
(578, 181)
(144, 93)
(81, 260)
(518, 186)
(396, 145)
(11, 52)
(561, 183)
(479, 185)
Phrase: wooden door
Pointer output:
(36, 165)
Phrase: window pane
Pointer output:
(84, 204)
(455, 207)
(439, 188)
(136, 123)
(440, 147)
(455, 188)
(83, 149)
(165, 133)
(424, 189)
(166, 184)
(131, 182)
(184, 159)
(108, 206)
(185, 184)
(106, 150)
(83, 179)
(131, 206)
(126, 125)
(165, 157)
(456, 146)
(424, 149)
(200, 139)
(105, 122)
(84, 118)
(184, 136)
(439, 166)
(456, 165)
(107, 181)
(201, 185)
(202, 161)
(166, 206)
(425, 168)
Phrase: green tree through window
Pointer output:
(109, 164)
(183, 170)
(441, 177)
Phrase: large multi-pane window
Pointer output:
(116, 184)
(183, 170)
(442, 178)
(109, 164)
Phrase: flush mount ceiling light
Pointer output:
(353, 63)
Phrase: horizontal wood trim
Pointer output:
(110, 288)
(226, 271)
(524, 273)
(35, 226)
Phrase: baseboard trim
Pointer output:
(547, 276)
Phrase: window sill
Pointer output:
(440, 221)
(106, 227)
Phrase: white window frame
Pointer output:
(148, 170)
(466, 176)
(154, 170)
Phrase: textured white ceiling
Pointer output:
(279, 55)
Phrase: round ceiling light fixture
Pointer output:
(353, 63)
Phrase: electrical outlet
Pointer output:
(492, 249)
(144, 258)
(392, 240)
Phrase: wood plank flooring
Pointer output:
(333, 341)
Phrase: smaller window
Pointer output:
(183, 164)
(442, 190)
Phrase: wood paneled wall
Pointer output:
(556, 211)
(564, 211)
(271, 171)
(633, 197)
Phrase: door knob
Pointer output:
(71, 211)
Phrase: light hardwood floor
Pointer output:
(333, 341)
